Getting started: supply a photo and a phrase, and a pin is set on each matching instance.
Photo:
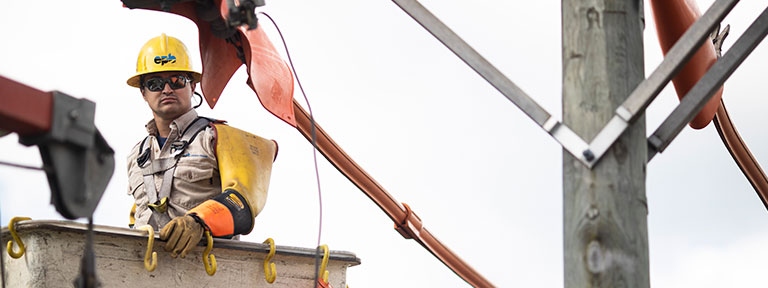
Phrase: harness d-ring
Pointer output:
(12, 228)
(210, 265)
(269, 268)
(150, 265)
(324, 264)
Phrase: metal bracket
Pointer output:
(718, 38)
(634, 106)
(243, 13)
(71, 122)
(647, 90)
(77, 160)
(706, 87)
(564, 135)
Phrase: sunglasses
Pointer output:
(158, 84)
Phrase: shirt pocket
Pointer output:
(193, 183)
(191, 172)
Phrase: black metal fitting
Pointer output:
(244, 13)
(77, 160)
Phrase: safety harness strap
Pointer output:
(158, 200)
(149, 188)
(160, 165)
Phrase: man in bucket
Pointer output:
(191, 175)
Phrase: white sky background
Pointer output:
(481, 175)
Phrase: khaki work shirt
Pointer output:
(195, 179)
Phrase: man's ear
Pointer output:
(143, 95)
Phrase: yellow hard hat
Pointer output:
(163, 53)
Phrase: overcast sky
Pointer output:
(484, 178)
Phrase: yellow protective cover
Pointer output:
(245, 164)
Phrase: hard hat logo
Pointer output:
(162, 60)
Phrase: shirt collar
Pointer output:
(182, 122)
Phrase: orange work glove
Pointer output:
(182, 233)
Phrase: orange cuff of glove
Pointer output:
(217, 217)
(225, 215)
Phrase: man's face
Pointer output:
(168, 103)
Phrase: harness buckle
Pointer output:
(177, 147)
(162, 207)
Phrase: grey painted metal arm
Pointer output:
(647, 90)
(567, 138)
(679, 55)
(708, 85)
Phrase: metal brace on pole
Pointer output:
(647, 90)
(564, 135)
(587, 153)
(706, 87)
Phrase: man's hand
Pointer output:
(182, 233)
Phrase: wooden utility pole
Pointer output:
(605, 208)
